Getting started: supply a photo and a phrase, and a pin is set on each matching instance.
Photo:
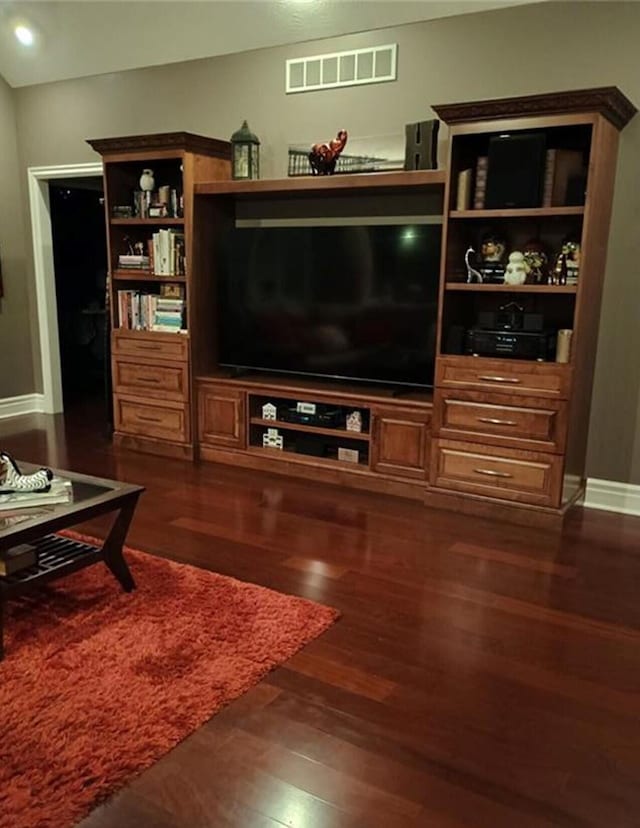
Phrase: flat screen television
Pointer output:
(345, 302)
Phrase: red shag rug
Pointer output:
(97, 684)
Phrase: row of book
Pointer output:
(165, 255)
(165, 202)
(139, 311)
(563, 183)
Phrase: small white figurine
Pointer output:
(269, 412)
(147, 181)
(273, 439)
(473, 275)
(517, 269)
(354, 421)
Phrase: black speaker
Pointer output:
(515, 173)
(421, 145)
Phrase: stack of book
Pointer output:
(168, 314)
(133, 262)
(60, 491)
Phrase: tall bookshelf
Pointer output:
(510, 434)
(152, 359)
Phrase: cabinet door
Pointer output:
(401, 442)
(221, 419)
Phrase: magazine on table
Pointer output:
(60, 491)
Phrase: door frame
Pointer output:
(38, 183)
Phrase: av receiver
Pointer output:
(538, 345)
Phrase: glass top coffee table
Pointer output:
(58, 555)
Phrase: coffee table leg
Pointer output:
(112, 548)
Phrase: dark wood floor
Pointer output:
(482, 675)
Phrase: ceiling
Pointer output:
(76, 39)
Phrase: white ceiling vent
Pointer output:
(358, 66)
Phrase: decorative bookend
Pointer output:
(421, 147)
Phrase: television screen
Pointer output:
(350, 302)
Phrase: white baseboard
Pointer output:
(25, 404)
(613, 496)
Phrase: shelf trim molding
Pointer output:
(42, 241)
(324, 183)
(180, 141)
(608, 101)
(612, 496)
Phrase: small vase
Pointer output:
(147, 182)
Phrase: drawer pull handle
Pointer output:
(152, 380)
(144, 347)
(495, 421)
(492, 473)
(492, 378)
(149, 419)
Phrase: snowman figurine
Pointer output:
(517, 269)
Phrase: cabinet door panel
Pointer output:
(221, 417)
(401, 443)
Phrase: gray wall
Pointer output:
(16, 369)
(514, 51)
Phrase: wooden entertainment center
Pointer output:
(499, 436)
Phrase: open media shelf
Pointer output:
(327, 432)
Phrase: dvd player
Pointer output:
(331, 418)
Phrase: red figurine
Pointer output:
(323, 157)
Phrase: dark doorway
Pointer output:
(80, 262)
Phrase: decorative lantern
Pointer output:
(245, 158)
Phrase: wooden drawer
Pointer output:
(535, 379)
(523, 476)
(502, 420)
(161, 421)
(401, 442)
(168, 382)
(172, 347)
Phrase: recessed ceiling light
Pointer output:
(24, 35)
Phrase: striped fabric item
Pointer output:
(12, 480)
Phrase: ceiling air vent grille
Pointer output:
(352, 68)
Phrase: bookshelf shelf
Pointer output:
(149, 222)
(328, 432)
(294, 457)
(132, 333)
(488, 288)
(520, 212)
(324, 183)
(122, 274)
